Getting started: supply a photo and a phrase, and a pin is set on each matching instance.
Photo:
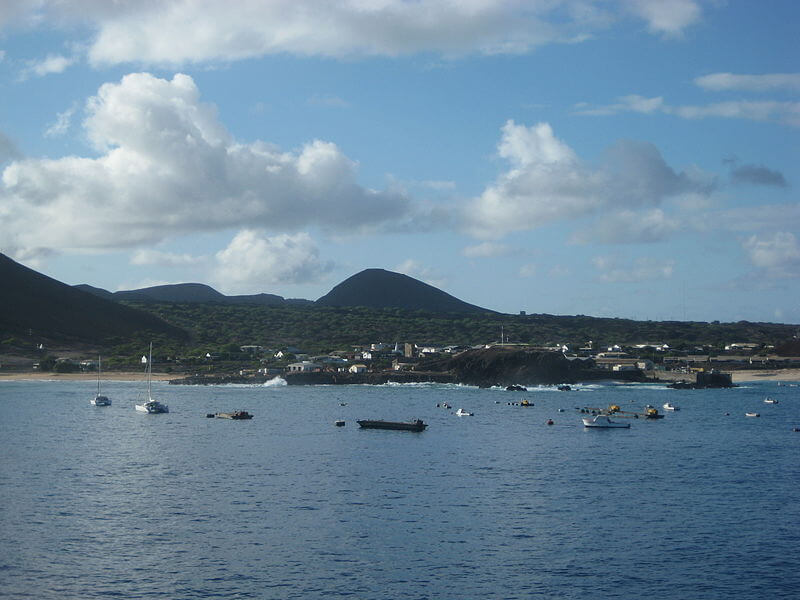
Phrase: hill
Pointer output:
(37, 305)
(188, 292)
(378, 288)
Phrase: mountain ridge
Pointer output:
(33, 302)
(379, 288)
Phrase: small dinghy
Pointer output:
(752, 414)
(603, 422)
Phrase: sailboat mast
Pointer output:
(98, 374)
(149, 371)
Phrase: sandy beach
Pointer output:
(766, 375)
(107, 376)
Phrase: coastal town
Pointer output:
(380, 362)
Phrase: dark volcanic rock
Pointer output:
(503, 366)
(378, 288)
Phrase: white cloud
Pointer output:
(772, 111)
(767, 82)
(629, 227)
(253, 260)
(527, 270)
(486, 250)
(183, 31)
(613, 270)
(415, 269)
(547, 182)
(168, 166)
(62, 122)
(631, 103)
(669, 18)
(778, 255)
(781, 112)
(53, 63)
(147, 257)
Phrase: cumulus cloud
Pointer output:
(180, 32)
(253, 260)
(613, 270)
(718, 82)
(547, 182)
(777, 255)
(167, 166)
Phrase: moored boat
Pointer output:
(752, 414)
(100, 399)
(670, 406)
(770, 401)
(603, 422)
(151, 407)
(463, 413)
(236, 415)
(416, 425)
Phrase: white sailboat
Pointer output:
(99, 399)
(151, 406)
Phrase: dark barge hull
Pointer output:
(396, 425)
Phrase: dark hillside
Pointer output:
(32, 303)
(179, 292)
(378, 288)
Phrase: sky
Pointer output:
(614, 158)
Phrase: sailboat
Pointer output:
(99, 399)
(151, 406)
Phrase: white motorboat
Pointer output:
(752, 414)
(99, 399)
(770, 401)
(603, 422)
(151, 406)
(670, 406)
(463, 413)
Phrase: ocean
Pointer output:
(105, 502)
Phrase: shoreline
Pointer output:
(106, 376)
(738, 376)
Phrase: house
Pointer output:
(290, 350)
(304, 367)
(252, 349)
(401, 363)
(358, 368)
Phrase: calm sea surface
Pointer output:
(106, 502)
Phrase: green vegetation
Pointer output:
(222, 328)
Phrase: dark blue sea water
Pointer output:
(106, 502)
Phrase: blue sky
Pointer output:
(630, 158)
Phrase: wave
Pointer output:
(276, 381)
(428, 384)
